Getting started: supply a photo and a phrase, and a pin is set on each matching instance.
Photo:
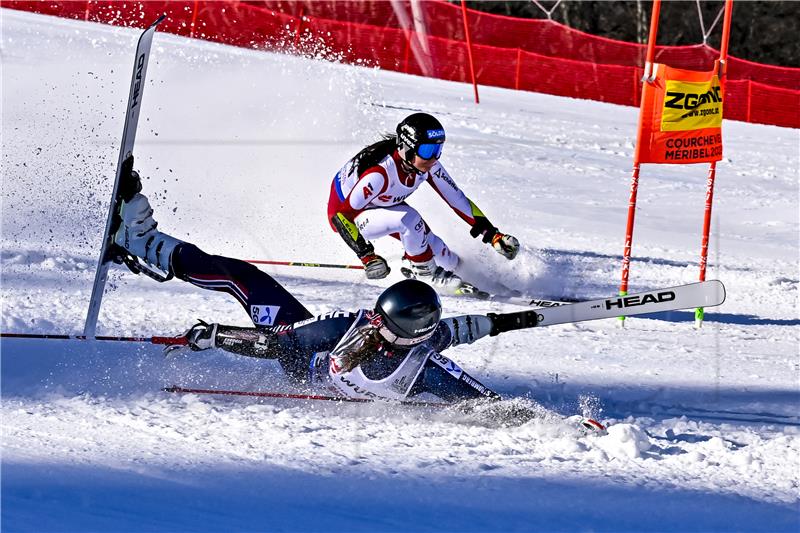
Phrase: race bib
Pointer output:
(264, 315)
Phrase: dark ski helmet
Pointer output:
(420, 134)
(410, 311)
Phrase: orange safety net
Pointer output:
(532, 55)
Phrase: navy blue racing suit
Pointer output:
(341, 348)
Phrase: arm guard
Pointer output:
(466, 329)
(350, 234)
(252, 342)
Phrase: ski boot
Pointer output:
(439, 278)
(135, 233)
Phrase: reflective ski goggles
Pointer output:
(430, 150)
(402, 341)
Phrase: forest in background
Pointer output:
(765, 32)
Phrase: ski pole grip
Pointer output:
(511, 321)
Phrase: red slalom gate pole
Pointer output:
(699, 313)
(176, 341)
(649, 75)
(722, 66)
(469, 51)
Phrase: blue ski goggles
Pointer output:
(430, 150)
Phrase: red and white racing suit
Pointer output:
(375, 201)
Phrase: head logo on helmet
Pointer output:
(410, 311)
(420, 135)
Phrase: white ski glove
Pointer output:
(375, 266)
(505, 245)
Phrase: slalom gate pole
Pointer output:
(302, 264)
(699, 313)
(649, 75)
(722, 65)
(177, 341)
(469, 51)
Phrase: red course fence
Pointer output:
(532, 55)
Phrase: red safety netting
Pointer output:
(534, 55)
(544, 37)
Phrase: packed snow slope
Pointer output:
(238, 148)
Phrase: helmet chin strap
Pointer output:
(408, 167)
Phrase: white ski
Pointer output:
(702, 294)
(125, 154)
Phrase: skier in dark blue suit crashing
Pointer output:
(390, 353)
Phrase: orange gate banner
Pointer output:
(681, 117)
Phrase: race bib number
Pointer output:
(449, 365)
(264, 315)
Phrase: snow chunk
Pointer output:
(624, 441)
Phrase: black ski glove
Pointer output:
(129, 181)
(482, 226)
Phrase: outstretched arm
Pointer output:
(466, 329)
(314, 335)
(462, 329)
(506, 245)
(252, 342)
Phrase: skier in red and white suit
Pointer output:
(368, 201)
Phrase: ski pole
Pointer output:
(263, 394)
(292, 396)
(514, 300)
(175, 341)
(302, 264)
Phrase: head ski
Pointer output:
(125, 158)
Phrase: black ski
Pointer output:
(110, 252)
